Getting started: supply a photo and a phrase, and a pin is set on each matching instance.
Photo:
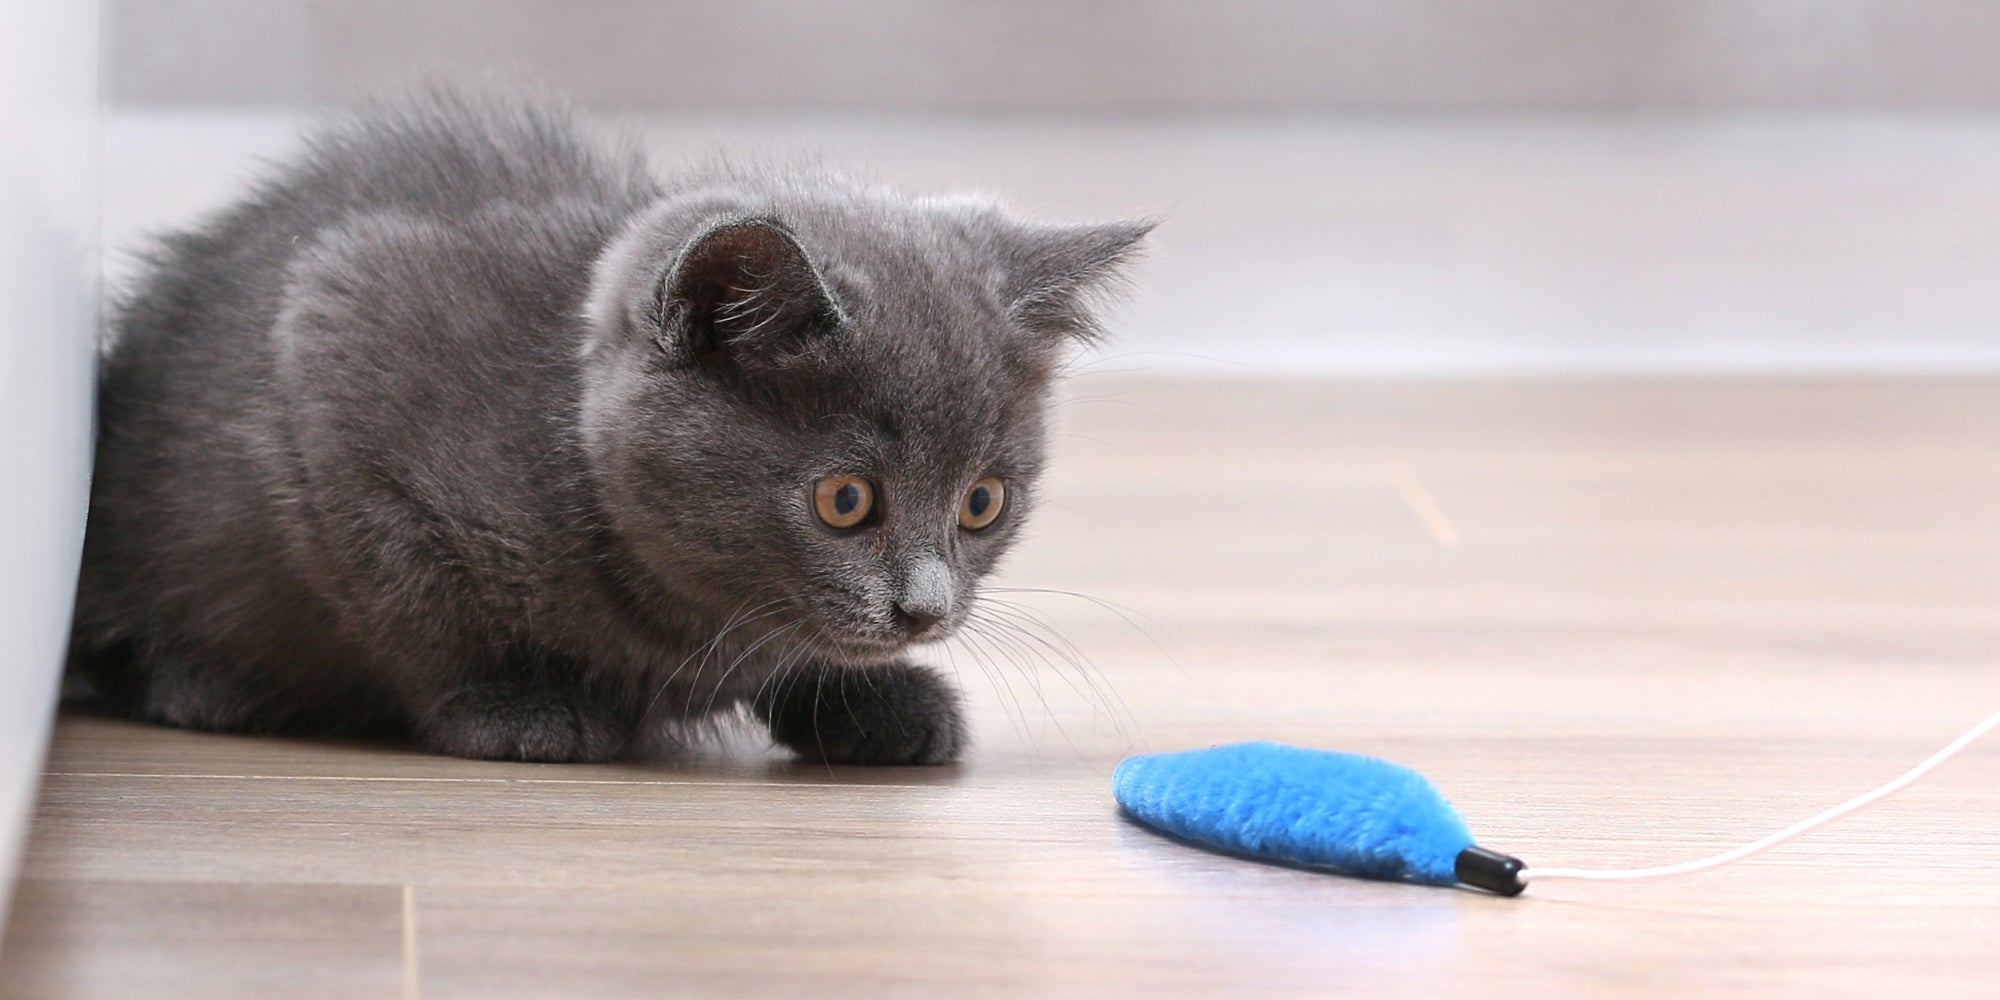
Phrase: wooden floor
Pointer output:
(1616, 623)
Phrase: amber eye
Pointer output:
(982, 503)
(843, 501)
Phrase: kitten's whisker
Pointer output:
(819, 694)
(951, 650)
(1082, 366)
(809, 655)
(777, 682)
(1014, 632)
(1066, 400)
(1033, 645)
(1122, 451)
(997, 637)
(1048, 711)
(707, 649)
(1105, 698)
(1043, 631)
(843, 682)
(1155, 633)
(774, 682)
(1028, 677)
(736, 619)
(867, 675)
(1009, 707)
(999, 677)
(1027, 617)
(762, 641)
(780, 684)
(716, 690)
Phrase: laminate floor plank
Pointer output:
(1618, 624)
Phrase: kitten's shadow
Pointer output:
(804, 772)
(92, 739)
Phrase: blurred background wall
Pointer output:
(1066, 56)
(1362, 187)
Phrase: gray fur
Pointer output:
(464, 428)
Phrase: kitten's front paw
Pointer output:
(894, 714)
(502, 722)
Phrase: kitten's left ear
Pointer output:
(743, 289)
(1052, 272)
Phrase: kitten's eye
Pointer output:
(844, 501)
(982, 503)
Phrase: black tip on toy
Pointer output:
(1489, 870)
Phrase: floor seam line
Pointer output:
(412, 971)
(1423, 505)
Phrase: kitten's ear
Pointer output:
(744, 288)
(1052, 272)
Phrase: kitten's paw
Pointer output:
(505, 723)
(894, 714)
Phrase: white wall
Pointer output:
(48, 269)
(1043, 56)
(1551, 246)
(1352, 187)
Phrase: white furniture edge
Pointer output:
(49, 205)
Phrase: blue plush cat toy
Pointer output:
(1342, 812)
(1363, 816)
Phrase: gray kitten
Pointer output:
(466, 429)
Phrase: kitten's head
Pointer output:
(819, 408)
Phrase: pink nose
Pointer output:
(916, 621)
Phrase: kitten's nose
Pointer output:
(926, 594)
(916, 621)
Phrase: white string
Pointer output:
(1971, 736)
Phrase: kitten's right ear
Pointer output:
(1052, 271)
(740, 291)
